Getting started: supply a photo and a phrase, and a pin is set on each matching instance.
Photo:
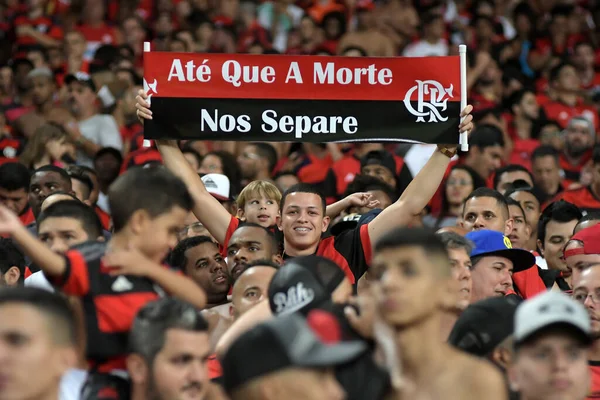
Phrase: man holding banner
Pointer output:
(303, 219)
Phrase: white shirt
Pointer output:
(426, 49)
(38, 280)
(71, 384)
(102, 130)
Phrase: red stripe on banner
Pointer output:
(243, 76)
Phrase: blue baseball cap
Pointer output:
(492, 243)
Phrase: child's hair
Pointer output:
(76, 210)
(155, 190)
(256, 189)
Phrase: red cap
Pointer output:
(325, 326)
(589, 238)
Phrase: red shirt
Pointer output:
(572, 172)
(595, 372)
(214, 367)
(582, 198)
(528, 282)
(346, 168)
(110, 303)
(139, 157)
(522, 150)
(98, 35)
(104, 217)
(27, 216)
(42, 24)
(563, 113)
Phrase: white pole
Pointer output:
(146, 87)
(462, 52)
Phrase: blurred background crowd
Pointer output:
(71, 69)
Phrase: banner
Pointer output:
(317, 99)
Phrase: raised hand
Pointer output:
(143, 107)
(9, 222)
(362, 199)
(126, 262)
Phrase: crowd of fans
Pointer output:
(134, 269)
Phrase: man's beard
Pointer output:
(576, 151)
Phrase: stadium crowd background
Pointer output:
(71, 113)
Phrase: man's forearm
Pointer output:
(178, 285)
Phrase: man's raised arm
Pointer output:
(207, 209)
(420, 191)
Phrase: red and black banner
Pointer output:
(302, 98)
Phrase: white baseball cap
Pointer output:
(217, 185)
(550, 309)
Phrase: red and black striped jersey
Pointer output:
(110, 303)
(44, 25)
(141, 157)
(350, 250)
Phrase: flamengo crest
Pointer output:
(431, 96)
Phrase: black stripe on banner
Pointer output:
(314, 121)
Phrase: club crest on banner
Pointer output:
(432, 97)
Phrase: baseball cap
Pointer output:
(217, 185)
(279, 343)
(492, 243)
(484, 325)
(40, 72)
(303, 283)
(587, 236)
(82, 78)
(379, 157)
(547, 310)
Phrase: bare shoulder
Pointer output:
(481, 376)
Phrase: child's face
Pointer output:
(157, 236)
(261, 210)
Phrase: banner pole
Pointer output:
(462, 52)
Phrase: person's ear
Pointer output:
(241, 214)
(508, 227)
(11, 277)
(277, 259)
(137, 368)
(100, 239)
(277, 219)
(138, 221)
(326, 221)
(528, 230)
(540, 246)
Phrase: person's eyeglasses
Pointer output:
(581, 297)
(193, 229)
(459, 182)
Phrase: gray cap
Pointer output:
(550, 309)
(40, 72)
